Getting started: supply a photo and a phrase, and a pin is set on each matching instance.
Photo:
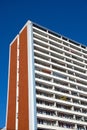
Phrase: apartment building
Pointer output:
(47, 81)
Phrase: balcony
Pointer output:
(64, 98)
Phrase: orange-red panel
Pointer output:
(23, 117)
(12, 87)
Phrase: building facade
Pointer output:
(47, 81)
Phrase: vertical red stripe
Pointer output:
(23, 117)
(12, 87)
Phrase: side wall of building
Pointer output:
(21, 104)
(22, 95)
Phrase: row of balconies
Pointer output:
(61, 55)
(61, 97)
(67, 43)
(60, 80)
(61, 91)
(59, 118)
(75, 94)
(59, 86)
(67, 69)
(60, 68)
(53, 123)
(61, 100)
(62, 108)
(67, 60)
(61, 62)
(58, 51)
(62, 115)
(59, 125)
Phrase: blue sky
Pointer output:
(67, 17)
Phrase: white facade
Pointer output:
(61, 81)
